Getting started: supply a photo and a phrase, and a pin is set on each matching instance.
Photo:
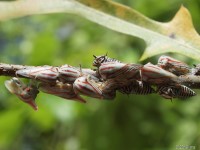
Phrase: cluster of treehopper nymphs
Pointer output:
(169, 78)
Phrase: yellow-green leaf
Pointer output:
(177, 36)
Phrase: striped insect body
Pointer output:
(111, 70)
(46, 74)
(137, 87)
(172, 65)
(84, 87)
(108, 88)
(68, 74)
(91, 86)
(155, 75)
(178, 91)
(185, 92)
(60, 89)
(26, 93)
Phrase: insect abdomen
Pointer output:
(180, 91)
(185, 92)
(139, 88)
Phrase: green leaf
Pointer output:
(176, 36)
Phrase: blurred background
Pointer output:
(128, 122)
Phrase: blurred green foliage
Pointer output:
(129, 122)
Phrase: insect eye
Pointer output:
(102, 59)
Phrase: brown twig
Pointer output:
(189, 80)
(10, 70)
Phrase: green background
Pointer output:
(128, 122)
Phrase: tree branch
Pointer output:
(190, 80)
(10, 70)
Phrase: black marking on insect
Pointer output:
(180, 91)
(138, 87)
(98, 60)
